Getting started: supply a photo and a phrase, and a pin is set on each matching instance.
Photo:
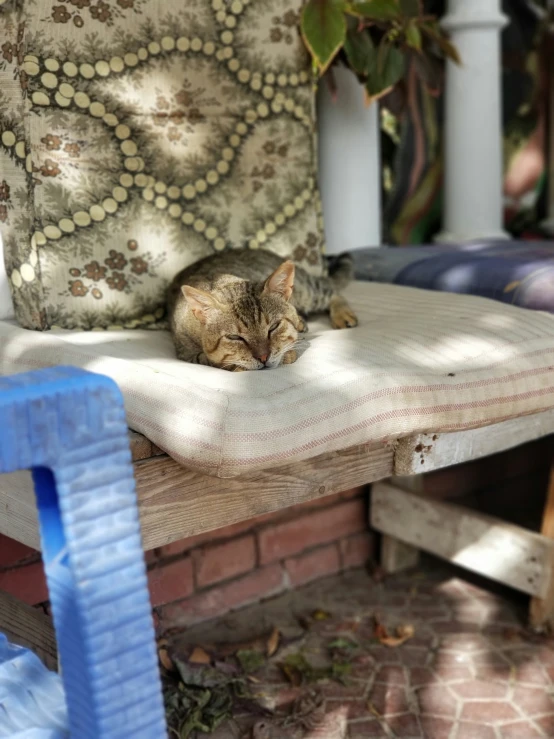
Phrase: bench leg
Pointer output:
(396, 555)
(541, 610)
(29, 628)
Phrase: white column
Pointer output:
(349, 165)
(473, 123)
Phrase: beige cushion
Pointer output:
(138, 136)
(419, 361)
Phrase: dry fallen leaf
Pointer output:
(403, 633)
(273, 642)
(371, 708)
(321, 615)
(513, 675)
(292, 674)
(163, 655)
(199, 656)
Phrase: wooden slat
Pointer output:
(175, 502)
(18, 512)
(29, 628)
(141, 447)
(396, 555)
(509, 554)
(426, 452)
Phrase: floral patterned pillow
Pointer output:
(140, 136)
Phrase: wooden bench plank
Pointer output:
(29, 628)
(175, 502)
(509, 554)
(425, 452)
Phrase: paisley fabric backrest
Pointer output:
(138, 136)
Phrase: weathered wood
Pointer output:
(509, 554)
(141, 447)
(426, 452)
(541, 610)
(29, 628)
(175, 502)
(18, 512)
(396, 555)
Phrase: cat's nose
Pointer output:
(262, 358)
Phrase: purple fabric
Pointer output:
(516, 272)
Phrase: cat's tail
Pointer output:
(340, 268)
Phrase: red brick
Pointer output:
(319, 527)
(254, 586)
(317, 563)
(12, 551)
(171, 582)
(27, 583)
(191, 542)
(357, 550)
(223, 561)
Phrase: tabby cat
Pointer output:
(243, 310)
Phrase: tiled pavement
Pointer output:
(471, 670)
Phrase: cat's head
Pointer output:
(248, 325)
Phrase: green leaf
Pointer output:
(413, 36)
(391, 65)
(342, 643)
(411, 8)
(378, 10)
(434, 31)
(323, 27)
(360, 51)
(449, 50)
(388, 70)
(250, 659)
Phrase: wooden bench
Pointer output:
(175, 503)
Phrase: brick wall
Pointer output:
(207, 575)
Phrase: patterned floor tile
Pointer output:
(471, 671)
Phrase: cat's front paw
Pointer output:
(290, 357)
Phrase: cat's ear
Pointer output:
(203, 304)
(281, 281)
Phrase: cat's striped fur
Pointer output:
(243, 309)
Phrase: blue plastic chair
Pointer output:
(68, 426)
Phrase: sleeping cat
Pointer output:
(243, 310)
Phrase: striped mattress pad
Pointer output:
(420, 360)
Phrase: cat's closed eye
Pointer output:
(234, 337)
(275, 326)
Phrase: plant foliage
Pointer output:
(376, 39)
